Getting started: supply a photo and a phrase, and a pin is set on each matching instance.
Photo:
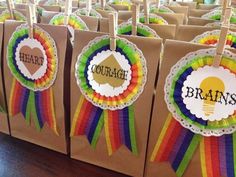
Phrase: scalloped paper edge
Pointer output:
(210, 33)
(183, 62)
(140, 25)
(55, 55)
(144, 67)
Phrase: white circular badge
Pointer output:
(31, 59)
(109, 73)
(210, 93)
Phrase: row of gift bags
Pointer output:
(66, 118)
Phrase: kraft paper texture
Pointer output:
(164, 31)
(91, 22)
(19, 128)
(189, 32)
(81, 149)
(4, 122)
(173, 52)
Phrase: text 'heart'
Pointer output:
(33, 59)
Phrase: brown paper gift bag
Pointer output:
(103, 24)
(189, 32)
(124, 15)
(20, 6)
(4, 122)
(75, 3)
(181, 10)
(80, 147)
(191, 5)
(47, 16)
(164, 31)
(197, 12)
(119, 7)
(207, 6)
(28, 132)
(176, 19)
(103, 13)
(173, 52)
(198, 21)
(22, 9)
(22, 12)
(51, 8)
(91, 22)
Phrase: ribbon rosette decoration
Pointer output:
(83, 11)
(218, 24)
(162, 9)
(202, 104)
(121, 2)
(153, 19)
(110, 82)
(74, 23)
(5, 15)
(33, 63)
(53, 3)
(142, 30)
(106, 8)
(216, 15)
(212, 38)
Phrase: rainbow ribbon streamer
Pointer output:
(24, 98)
(114, 112)
(218, 156)
(40, 104)
(176, 145)
(119, 125)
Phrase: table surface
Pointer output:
(22, 159)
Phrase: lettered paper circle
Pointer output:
(205, 91)
(111, 79)
(32, 61)
(201, 97)
(31, 58)
(109, 73)
(212, 38)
